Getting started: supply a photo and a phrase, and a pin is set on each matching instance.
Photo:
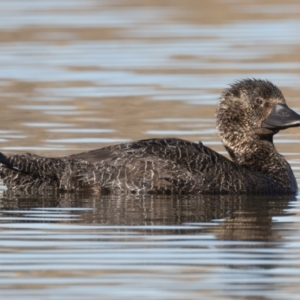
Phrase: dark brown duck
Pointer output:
(250, 112)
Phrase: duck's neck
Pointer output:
(256, 153)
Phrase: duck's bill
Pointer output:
(281, 117)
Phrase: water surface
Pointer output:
(77, 75)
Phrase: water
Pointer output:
(78, 75)
(153, 247)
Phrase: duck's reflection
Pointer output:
(232, 217)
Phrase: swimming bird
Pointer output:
(249, 113)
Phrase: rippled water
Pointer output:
(77, 75)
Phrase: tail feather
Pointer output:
(26, 171)
(30, 171)
(7, 164)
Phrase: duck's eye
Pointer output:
(258, 101)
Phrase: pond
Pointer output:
(80, 75)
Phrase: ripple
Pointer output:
(82, 130)
(50, 125)
(88, 140)
(181, 132)
(46, 107)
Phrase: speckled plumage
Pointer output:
(174, 166)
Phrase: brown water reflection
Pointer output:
(238, 217)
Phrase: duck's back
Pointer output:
(171, 166)
(152, 166)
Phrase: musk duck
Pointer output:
(249, 113)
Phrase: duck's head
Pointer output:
(253, 109)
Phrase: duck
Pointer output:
(250, 112)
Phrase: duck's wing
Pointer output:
(95, 156)
(171, 166)
(171, 149)
(157, 165)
